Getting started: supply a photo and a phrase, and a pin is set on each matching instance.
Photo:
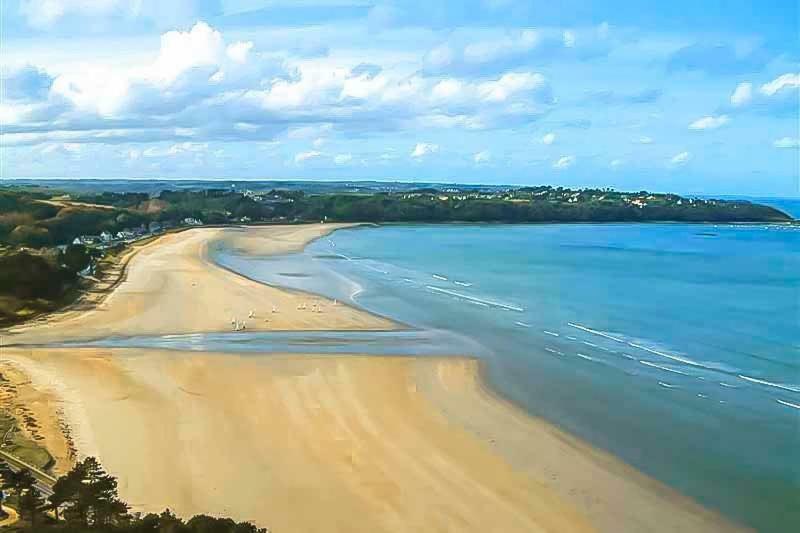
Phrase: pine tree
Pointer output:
(88, 496)
(30, 504)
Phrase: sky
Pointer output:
(683, 96)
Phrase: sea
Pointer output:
(675, 347)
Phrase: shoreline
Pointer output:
(169, 288)
(507, 458)
(714, 519)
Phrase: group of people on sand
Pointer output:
(242, 325)
(315, 308)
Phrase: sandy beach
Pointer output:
(314, 443)
(170, 287)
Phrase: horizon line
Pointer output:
(392, 180)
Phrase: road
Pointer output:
(44, 481)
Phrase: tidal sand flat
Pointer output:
(315, 443)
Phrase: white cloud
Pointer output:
(616, 163)
(94, 90)
(786, 81)
(343, 159)
(494, 52)
(482, 157)
(709, 122)
(548, 138)
(183, 50)
(645, 140)
(681, 158)
(175, 149)
(564, 162)
(742, 94)
(307, 132)
(221, 90)
(305, 156)
(510, 85)
(70, 149)
(246, 126)
(239, 51)
(777, 97)
(440, 57)
(490, 50)
(448, 88)
(423, 149)
(787, 142)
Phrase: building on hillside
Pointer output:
(86, 240)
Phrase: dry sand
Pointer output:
(294, 443)
(317, 443)
(171, 287)
(38, 413)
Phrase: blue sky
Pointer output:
(685, 96)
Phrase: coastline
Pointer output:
(335, 433)
(170, 287)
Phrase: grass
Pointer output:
(21, 447)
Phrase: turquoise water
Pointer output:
(673, 346)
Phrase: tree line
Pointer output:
(86, 500)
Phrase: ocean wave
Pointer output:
(463, 283)
(523, 324)
(378, 270)
(437, 276)
(551, 333)
(588, 357)
(685, 360)
(595, 332)
(553, 350)
(769, 383)
(788, 404)
(664, 368)
(667, 385)
(475, 299)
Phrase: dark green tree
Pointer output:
(31, 504)
(88, 496)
